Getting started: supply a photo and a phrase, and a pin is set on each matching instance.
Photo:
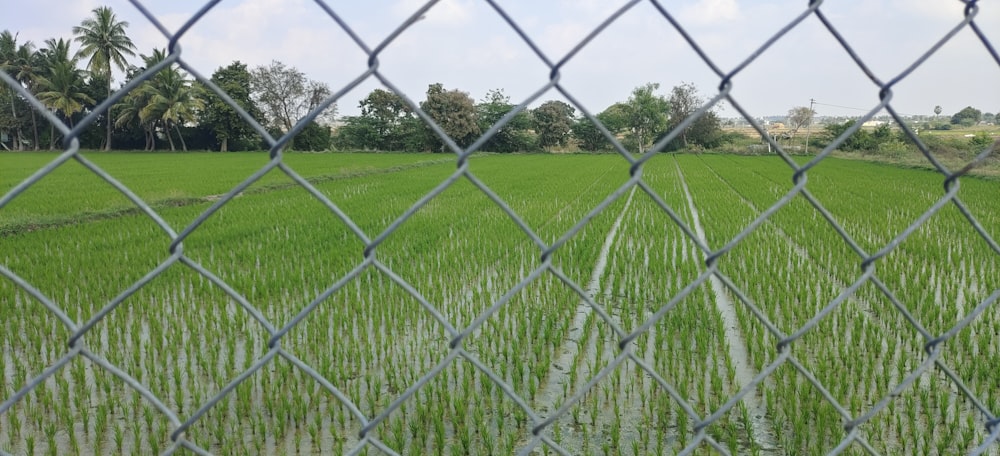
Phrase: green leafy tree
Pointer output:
(314, 137)
(103, 39)
(882, 133)
(386, 109)
(357, 133)
(862, 140)
(615, 118)
(589, 137)
(512, 136)
(684, 101)
(645, 114)
(967, 117)
(393, 124)
(705, 131)
(228, 128)
(553, 122)
(386, 123)
(455, 112)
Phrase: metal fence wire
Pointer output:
(538, 435)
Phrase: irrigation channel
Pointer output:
(583, 342)
(739, 355)
(868, 308)
(551, 396)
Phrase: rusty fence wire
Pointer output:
(540, 435)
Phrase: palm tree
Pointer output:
(8, 46)
(55, 51)
(26, 72)
(136, 100)
(61, 83)
(172, 100)
(169, 98)
(131, 113)
(63, 89)
(103, 39)
(15, 60)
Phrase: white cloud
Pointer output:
(558, 39)
(947, 10)
(445, 12)
(498, 50)
(710, 12)
(47, 19)
(590, 9)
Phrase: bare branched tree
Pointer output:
(798, 117)
(286, 95)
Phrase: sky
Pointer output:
(466, 45)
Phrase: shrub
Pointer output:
(894, 148)
(980, 141)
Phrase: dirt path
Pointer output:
(739, 355)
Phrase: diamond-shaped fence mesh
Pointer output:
(617, 398)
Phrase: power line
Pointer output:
(856, 109)
(838, 106)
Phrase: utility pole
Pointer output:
(767, 134)
(812, 101)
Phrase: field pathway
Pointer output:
(739, 355)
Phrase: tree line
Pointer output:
(966, 117)
(387, 122)
(171, 109)
(170, 106)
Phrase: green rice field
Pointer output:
(372, 321)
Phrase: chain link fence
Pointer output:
(539, 436)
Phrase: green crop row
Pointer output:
(796, 264)
(70, 193)
(282, 250)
